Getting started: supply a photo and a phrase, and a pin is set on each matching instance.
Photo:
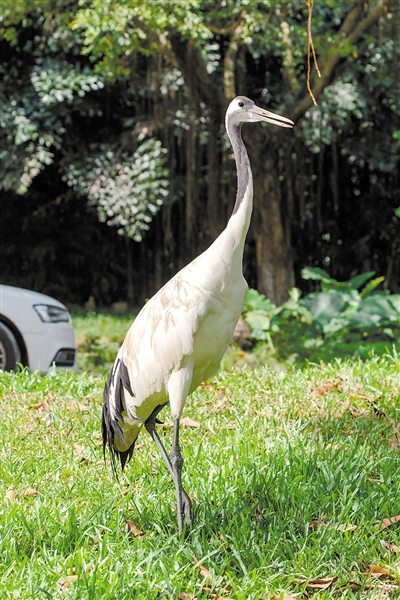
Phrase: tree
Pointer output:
(178, 64)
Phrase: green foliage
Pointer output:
(56, 81)
(127, 191)
(339, 320)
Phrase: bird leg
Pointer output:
(185, 503)
(177, 462)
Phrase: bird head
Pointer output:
(243, 110)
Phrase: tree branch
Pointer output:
(230, 60)
(226, 30)
(184, 55)
(290, 72)
(350, 32)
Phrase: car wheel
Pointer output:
(10, 354)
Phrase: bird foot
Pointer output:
(186, 507)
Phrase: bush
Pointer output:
(339, 320)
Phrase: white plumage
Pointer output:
(179, 337)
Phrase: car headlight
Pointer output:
(51, 314)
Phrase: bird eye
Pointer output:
(241, 104)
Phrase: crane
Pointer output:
(179, 337)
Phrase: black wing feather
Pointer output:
(117, 379)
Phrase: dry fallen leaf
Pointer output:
(66, 581)
(279, 597)
(390, 521)
(318, 522)
(10, 495)
(347, 527)
(185, 596)
(78, 449)
(389, 547)
(134, 529)
(30, 492)
(82, 407)
(351, 585)
(327, 387)
(205, 573)
(319, 584)
(379, 572)
(393, 442)
(37, 405)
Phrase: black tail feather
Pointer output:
(110, 426)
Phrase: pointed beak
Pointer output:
(260, 114)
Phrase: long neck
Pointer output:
(239, 222)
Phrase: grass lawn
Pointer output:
(294, 475)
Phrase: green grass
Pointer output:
(270, 457)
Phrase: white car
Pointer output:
(35, 331)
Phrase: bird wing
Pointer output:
(158, 340)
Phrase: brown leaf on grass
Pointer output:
(205, 573)
(389, 547)
(221, 537)
(188, 422)
(327, 387)
(78, 449)
(258, 513)
(318, 522)
(65, 582)
(345, 405)
(36, 406)
(347, 527)
(393, 442)
(319, 584)
(379, 572)
(30, 492)
(10, 495)
(279, 597)
(81, 407)
(185, 596)
(363, 396)
(390, 521)
(351, 585)
(134, 529)
(386, 587)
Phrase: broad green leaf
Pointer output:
(316, 274)
(357, 281)
(383, 306)
(371, 285)
(324, 305)
(258, 322)
(256, 301)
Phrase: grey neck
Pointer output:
(242, 163)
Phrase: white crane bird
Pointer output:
(180, 335)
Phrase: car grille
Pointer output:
(64, 358)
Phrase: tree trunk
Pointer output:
(275, 274)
